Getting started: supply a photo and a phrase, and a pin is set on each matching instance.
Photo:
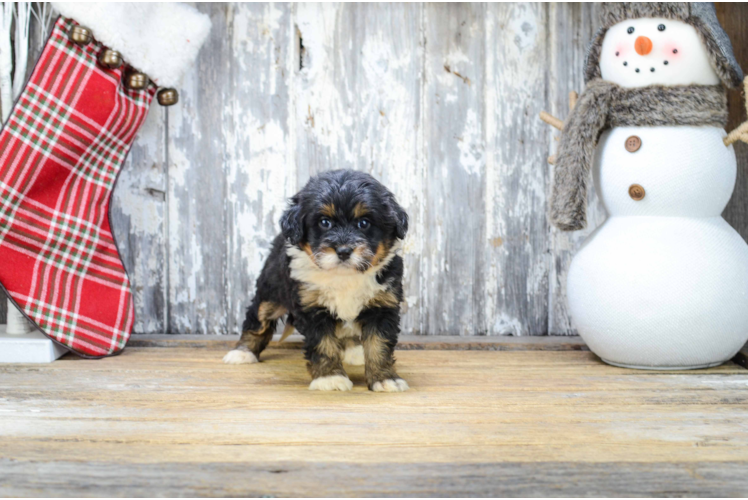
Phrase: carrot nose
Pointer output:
(643, 45)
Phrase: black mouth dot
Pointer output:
(625, 63)
(675, 51)
(637, 70)
(652, 70)
(665, 63)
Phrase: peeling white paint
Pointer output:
(471, 146)
(438, 101)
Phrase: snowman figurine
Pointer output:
(663, 282)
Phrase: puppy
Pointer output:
(335, 271)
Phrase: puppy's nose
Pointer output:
(344, 252)
(643, 45)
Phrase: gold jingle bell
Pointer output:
(110, 59)
(80, 35)
(136, 81)
(167, 97)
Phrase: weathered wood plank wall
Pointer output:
(439, 101)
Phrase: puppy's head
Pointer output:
(344, 220)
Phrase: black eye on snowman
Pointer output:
(630, 30)
(661, 27)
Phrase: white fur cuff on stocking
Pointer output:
(160, 39)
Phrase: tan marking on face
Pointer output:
(326, 258)
(360, 210)
(361, 257)
(381, 253)
(328, 210)
(308, 249)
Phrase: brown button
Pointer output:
(633, 144)
(636, 192)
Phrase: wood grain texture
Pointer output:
(455, 157)
(198, 187)
(304, 479)
(358, 101)
(179, 422)
(259, 167)
(405, 342)
(571, 27)
(513, 279)
(138, 221)
(440, 102)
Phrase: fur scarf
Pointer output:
(605, 105)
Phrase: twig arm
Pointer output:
(551, 120)
(573, 96)
(740, 133)
(555, 122)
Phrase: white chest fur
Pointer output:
(344, 292)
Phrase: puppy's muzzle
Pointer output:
(344, 252)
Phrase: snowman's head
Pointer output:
(670, 43)
(655, 51)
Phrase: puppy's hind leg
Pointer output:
(257, 331)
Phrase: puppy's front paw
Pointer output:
(331, 383)
(390, 385)
(354, 356)
(238, 357)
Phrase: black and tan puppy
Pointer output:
(335, 271)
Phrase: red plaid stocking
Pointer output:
(61, 151)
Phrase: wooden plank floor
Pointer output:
(175, 421)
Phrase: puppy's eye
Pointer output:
(364, 224)
(325, 223)
(630, 30)
(661, 27)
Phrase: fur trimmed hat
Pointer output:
(701, 16)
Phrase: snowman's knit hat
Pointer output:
(701, 16)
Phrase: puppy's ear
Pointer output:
(292, 222)
(401, 219)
